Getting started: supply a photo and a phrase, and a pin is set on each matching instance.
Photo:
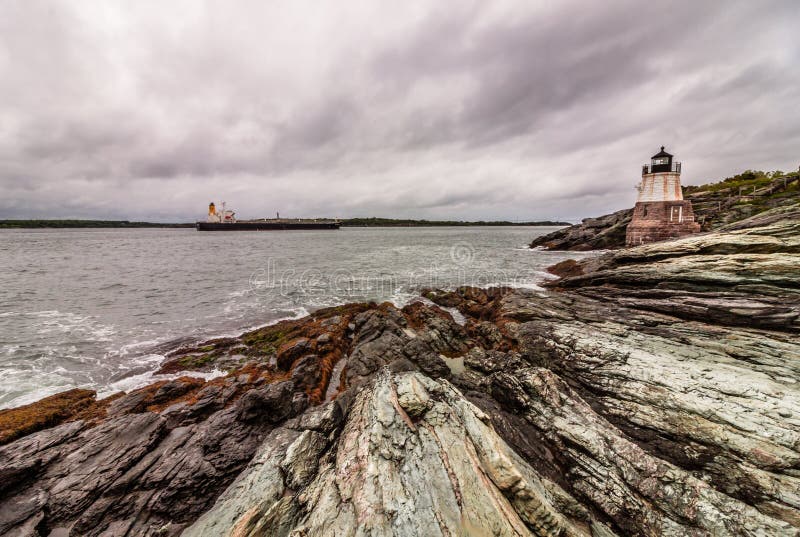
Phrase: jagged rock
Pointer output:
(323, 418)
(744, 277)
(620, 477)
(291, 351)
(140, 470)
(271, 403)
(417, 333)
(412, 396)
(474, 482)
(654, 393)
(722, 211)
(258, 487)
(302, 457)
(306, 372)
(591, 234)
(766, 219)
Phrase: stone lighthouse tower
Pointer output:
(660, 213)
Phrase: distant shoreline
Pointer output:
(36, 224)
(348, 222)
(394, 222)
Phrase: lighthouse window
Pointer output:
(659, 161)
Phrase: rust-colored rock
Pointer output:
(629, 402)
(566, 269)
(47, 412)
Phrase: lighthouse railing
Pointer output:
(661, 168)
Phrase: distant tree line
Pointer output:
(400, 222)
(349, 222)
(82, 224)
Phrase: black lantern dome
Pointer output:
(661, 162)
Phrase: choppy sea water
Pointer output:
(99, 308)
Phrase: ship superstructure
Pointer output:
(225, 220)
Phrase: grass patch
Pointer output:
(196, 362)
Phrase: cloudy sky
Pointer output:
(437, 109)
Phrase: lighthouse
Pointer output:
(660, 213)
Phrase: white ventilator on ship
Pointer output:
(220, 216)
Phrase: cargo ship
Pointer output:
(225, 220)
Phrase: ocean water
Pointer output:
(99, 308)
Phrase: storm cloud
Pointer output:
(472, 110)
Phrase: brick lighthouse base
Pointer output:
(659, 221)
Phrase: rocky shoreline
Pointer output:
(716, 206)
(649, 391)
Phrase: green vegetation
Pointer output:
(193, 361)
(400, 222)
(744, 182)
(82, 224)
(267, 340)
(741, 196)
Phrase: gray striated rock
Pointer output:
(654, 394)
(599, 233)
(144, 473)
(720, 212)
(619, 476)
(746, 277)
(443, 471)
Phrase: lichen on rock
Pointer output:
(651, 391)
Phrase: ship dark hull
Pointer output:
(264, 226)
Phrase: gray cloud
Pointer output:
(509, 109)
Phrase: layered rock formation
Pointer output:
(653, 391)
(715, 208)
(602, 233)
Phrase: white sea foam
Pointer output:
(152, 361)
(300, 312)
(34, 394)
(457, 316)
(99, 318)
(403, 296)
(240, 293)
(143, 379)
(130, 347)
(529, 285)
(53, 322)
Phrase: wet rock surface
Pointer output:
(717, 210)
(747, 276)
(651, 392)
(601, 233)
